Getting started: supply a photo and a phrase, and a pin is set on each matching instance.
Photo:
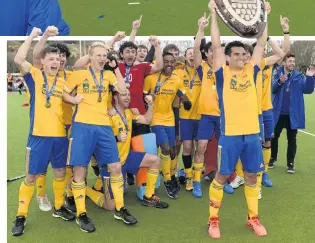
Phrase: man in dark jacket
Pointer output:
(289, 87)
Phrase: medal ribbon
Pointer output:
(49, 92)
(192, 80)
(159, 84)
(99, 86)
(123, 118)
(127, 73)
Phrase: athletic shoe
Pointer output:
(169, 189)
(255, 224)
(85, 223)
(175, 186)
(214, 230)
(63, 213)
(43, 203)
(18, 226)
(210, 176)
(140, 191)
(271, 163)
(189, 184)
(197, 191)
(228, 189)
(260, 193)
(70, 204)
(124, 215)
(291, 169)
(266, 180)
(154, 201)
(130, 179)
(238, 181)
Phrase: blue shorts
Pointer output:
(268, 124)
(41, 150)
(207, 125)
(176, 115)
(246, 147)
(164, 134)
(87, 139)
(188, 129)
(131, 166)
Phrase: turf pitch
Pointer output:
(171, 17)
(286, 210)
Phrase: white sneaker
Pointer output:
(43, 203)
(238, 181)
(260, 193)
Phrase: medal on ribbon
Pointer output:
(191, 80)
(127, 76)
(48, 92)
(99, 86)
(159, 84)
(123, 118)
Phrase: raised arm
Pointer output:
(20, 57)
(147, 117)
(158, 55)
(81, 62)
(135, 27)
(50, 31)
(218, 55)
(120, 35)
(202, 24)
(278, 53)
(309, 81)
(151, 54)
(286, 32)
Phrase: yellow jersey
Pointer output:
(266, 92)
(208, 100)
(45, 122)
(192, 85)
(238, 100)
(91, 110)
(67, 108)
(164, 96)
(118, 126)
(176, 102)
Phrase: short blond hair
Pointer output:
(97, 44)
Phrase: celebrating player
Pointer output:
(235, 84)
(47, 140)
(165, 86)
(91, 130)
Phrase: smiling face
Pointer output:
(51, 63)
(189, 57)
(289, 64)
(98, 57)
(141, 54)
(169, 64)
(123, 99)
(237, 58)
(129, 55)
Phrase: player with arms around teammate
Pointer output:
(239, 127)
(91, 131)
(42, 199)
(47, 139)
(165, 86)
(131, 161)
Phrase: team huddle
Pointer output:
(129, 112)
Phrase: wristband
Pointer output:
(268, 38)
(286, 33)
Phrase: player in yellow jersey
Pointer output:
(41, 196)
(165, 86)
(236, 89)
(47, 139)
(91, 131)
(266, 115)
(208, 106)
(189, 119)
(130, 160)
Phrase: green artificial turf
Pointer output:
(171, 17)
(286, 210)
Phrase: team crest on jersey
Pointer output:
(186, 82)
(86, 86)
(209, 74)
(233, 84)
(240, 87)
